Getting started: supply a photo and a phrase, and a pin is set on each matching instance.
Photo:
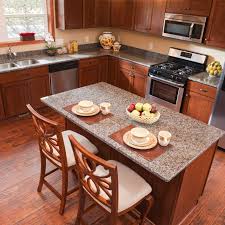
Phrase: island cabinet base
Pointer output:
(174, 199)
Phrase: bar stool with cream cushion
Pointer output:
(55, 146)
(112, 185)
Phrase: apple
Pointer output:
(154, 109)
(131, 107)
(139, 107)
(135, 113)
(147, 107)
(146, 114)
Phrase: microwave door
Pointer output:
(177, 29)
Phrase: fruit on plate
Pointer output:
(135, 113)
(214, 69)
(139, 107)
(147, 107)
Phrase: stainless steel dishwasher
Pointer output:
(63, 76)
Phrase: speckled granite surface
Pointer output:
(190, 138)
(204, 78)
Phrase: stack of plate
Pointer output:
(86, 108)
(140, 138)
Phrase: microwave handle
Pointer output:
(191, 30)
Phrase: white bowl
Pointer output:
(139, 135)
(86, 106)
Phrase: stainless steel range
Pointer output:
(167, 80)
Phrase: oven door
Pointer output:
(183, 30)
(165, 93)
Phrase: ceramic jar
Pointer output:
(106, 40)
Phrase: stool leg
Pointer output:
(81, 206)
(43, 170)
(64, 190)
(149, 203)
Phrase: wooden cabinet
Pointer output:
(122, 13)
(215, 31)
(198, 101)
(102, 13)
(189, 7)
(103, 69)
(69, 14)
(89, 13)
(132, 77)
(88, 72)
(22, 87)
(113, 69)
(2, 112)
(149, 16)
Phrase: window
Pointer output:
(18, 16)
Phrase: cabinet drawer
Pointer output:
(23, 74)
(134, 67)
(202, 89)
(88, 62)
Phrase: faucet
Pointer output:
(11, 55)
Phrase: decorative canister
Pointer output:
(116, 46)
(106, 40)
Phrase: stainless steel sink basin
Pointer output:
(27, 62)
(5, 66)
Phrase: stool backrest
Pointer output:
(100, 184)
(50, 138)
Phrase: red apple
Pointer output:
(131, 107)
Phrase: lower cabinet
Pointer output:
(22, 87)
(198, 101)
(124, 79)
(112, 70)
(103, 68)
(139, 84)
(2, 112)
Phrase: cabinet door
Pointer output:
(215, 31)
(199, 7)
(102, 13)
(143, 15)
(103, 69)
(88, 75)
(124, 79)
(177, 6)
(198, 106)
(69, 14)
(139, 84)
(15, 98)
(89, 13)
(38, 88)
(122, 13)
(113, 69)
(2, 112)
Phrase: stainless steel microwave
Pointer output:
(184, 27)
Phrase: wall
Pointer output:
(83, 36)
(161, 45)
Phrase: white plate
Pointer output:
(152, 141)
(77, 111)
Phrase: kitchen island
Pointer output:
(177, 175)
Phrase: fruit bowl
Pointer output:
(143, 116)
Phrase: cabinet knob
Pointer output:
(203, 90)
(187, 95)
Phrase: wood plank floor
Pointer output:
(20, 204)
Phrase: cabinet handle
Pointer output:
(203, 90)
(187, 95)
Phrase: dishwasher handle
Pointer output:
(63, 66)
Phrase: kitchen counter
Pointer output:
(204, 78)
(148, 59)
(190, 138)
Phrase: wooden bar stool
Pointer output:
(55, 146)
(113, 186)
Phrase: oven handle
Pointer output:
(191, 30)
(166, 81)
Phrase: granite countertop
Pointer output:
(190, 138)
(204, 78)
(145, 59)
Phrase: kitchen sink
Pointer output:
(7, 66)
(27, 62)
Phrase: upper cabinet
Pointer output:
(96, 13)
(149, 16)
(69, 14)
(216, 33)
(189, 7)
(122, 13)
